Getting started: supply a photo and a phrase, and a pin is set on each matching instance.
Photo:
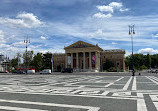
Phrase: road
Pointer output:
(78, 92)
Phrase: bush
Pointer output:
(143, 67)
(112, 69)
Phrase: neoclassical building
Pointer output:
(82, 56)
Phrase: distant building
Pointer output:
(3, 62)
(82, 56)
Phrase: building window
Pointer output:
(104, 57)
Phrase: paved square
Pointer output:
(78, 93)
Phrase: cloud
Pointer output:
(115, 4)
(101, 15)
(4, 45)
(43, 38)
(113, 43)
(2, 40)
(52, 50)
(123, 10)
(110, 9)
(25, 20)
(148, 50)
(156, 35)
(17, 44)
(105, 8)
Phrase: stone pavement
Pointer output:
(78, 93)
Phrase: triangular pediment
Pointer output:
(80, 44)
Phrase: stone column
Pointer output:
(77, 60)
(96, 62)
(66, 60)
(90, 61)
(84, 63)
(71, 60)
(99, 56)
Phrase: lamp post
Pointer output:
(26, 41)
(132, 32)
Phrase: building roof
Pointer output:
(114, 50)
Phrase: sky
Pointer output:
(52, 25)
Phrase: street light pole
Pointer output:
(132, 32)
(26, 41)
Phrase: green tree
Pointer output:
(29, 57)
(139, 60)
(154, 61)
(47, 63)
(18, 55)
(14, 62)
(108, 64)
(148, 61)
(37, 62)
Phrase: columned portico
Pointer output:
(82, 56)
(85, 56)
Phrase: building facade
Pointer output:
(83, 57)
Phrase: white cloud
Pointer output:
(18, 44)
(110, 9)
(43, 38)
(105, 8)
(26, 20)
(52, 50)
(2, 39)
(148, 50)
(156, 35)
(123, 10)
(113, 43)
(4, 45)
(116, 4)
(101, 15)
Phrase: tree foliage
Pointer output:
(37, 61)
(47, 63)
(29, 57)
(142, 61)
(108, 64)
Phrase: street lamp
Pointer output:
(132, 32)
(26, 41)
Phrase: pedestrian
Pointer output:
(139, 74)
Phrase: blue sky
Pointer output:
(53, 24)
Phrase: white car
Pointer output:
(31, 71)
(46, 71)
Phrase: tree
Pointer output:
(108, 64)
(47, 63)
(18, 55)
(154, 60)
(37, 62)
(29, 57)
(148, 61)
(14, 62)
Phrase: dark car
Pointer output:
(19, 72)
(69, 70)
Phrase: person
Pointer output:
(139, 73)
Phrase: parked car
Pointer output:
(30, 71)
(18, 72)
(154, 71)
(46, 71)
(69, 70)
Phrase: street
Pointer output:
(68, 92)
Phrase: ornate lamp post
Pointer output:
(26, 41)
(132, 32)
